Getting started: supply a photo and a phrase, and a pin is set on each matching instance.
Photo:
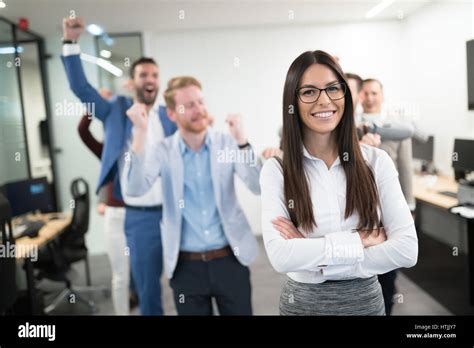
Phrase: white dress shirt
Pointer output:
(71, 49)
(332, 251)
(155, 134)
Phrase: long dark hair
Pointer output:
(361, 190)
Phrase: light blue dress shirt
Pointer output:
(201, 226)
(165, 160)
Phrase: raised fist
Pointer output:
(73, 28)
(236, 129)
(138, 115)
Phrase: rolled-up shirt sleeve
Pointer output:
(300, 254)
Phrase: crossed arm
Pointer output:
(340, 254)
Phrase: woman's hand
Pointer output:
(376, 237)
(286, 228)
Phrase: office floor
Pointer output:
(410, 300)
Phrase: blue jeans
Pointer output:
(142, 229)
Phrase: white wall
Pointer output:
(255, 87)
(434, 73)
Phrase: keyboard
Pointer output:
(449, 194)
(27, 228)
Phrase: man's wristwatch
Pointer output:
(70, 42)
(243, 146)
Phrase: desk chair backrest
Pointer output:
(74, 236)
(8, 290)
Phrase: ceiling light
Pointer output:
(104, 64)
(107, 39)
(11, 50)
(95, 30)
(382, 5)
(105, 53)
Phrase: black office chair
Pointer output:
(70, 248)
(8, 289)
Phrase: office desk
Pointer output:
(446, 245)
(48, 232)
(25, 245)
(430, 193)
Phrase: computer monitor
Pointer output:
(463, 157)
(423, 150)
(29, 195)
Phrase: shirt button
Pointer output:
(198, 173)
(204, 212)
(206, 232)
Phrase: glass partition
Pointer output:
(25, 142)
(14, 163)
(119, 51)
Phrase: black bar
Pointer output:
(136, 330)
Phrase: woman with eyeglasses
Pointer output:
(333, 213)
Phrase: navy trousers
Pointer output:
(195, 283)
(142, 229)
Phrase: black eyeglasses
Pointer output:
(311, 94)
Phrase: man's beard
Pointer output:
(197, 128)
(144, 97)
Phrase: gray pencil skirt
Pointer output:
(343, 297)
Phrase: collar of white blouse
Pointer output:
(314, 158)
